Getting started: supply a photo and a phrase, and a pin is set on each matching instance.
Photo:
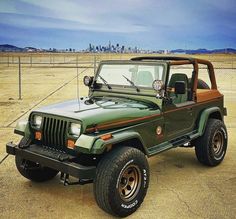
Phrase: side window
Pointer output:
(179, 73)
(204, 81)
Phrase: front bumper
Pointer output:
(53, 159)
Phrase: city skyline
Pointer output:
(149, 25)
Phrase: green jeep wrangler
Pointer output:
(135, 109)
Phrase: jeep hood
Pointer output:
(103, 114)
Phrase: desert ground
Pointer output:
(180, 187)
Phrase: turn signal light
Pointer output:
(38, 135)
(106, 137)
(70, 144)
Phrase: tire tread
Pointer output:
(202, 143)
(104, 177)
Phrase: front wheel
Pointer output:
(121, 182)
(34, 171)
(211, 147)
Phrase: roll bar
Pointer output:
(177, 60)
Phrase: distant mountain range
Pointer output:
(12, 48)
(203, 51)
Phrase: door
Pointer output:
(178, 111)
(178, 119)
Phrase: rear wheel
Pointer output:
(31, 170)
(211, 147)
(121, 181)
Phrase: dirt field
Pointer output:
(179, 188)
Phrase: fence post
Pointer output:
(31, 61)
(232, 64)
(19, 62)
(8, 61)
(94, 66)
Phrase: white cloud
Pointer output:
(108, 16)
(29, 21)
(117, 16)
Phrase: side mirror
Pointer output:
(180, 87)
(88, 81)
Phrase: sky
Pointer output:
(147, 24)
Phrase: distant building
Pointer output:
(113, 48)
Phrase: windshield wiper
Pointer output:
(132, 83)
(104, 81)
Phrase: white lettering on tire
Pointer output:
(223, 130)
(144, 178)
(130, 205)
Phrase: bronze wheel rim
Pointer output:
(129, 183)
(217, 143)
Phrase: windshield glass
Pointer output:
(139, 75)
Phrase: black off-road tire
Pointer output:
(121, 181)
(31, 170)
(211, 147)
(202, 84)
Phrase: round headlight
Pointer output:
(37, 120)
(157, 85)
(88, 80)
(75, 129)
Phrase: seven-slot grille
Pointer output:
(54, 133)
